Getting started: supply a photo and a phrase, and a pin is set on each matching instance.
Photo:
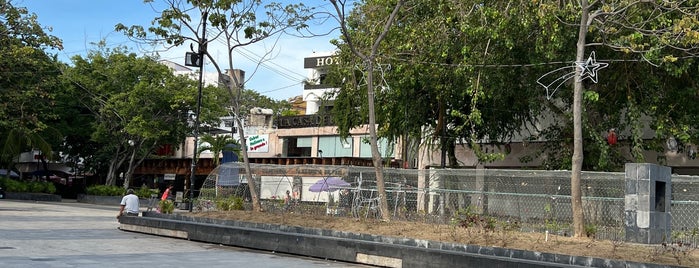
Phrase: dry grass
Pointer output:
(500, 236)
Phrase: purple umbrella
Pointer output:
(329, 184)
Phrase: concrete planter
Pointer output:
(369, 249)
(34, 197)
(98, 199)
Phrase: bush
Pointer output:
(50, 188)
(207, 192)
(166, 206)
(105, 190)
(35, 187)
(16, 186)
(230, 203)
(144, 192)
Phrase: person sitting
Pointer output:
(129, 204)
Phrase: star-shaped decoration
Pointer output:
(590, 67)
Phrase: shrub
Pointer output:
(230, 203)
(35, 187)
(50, 188)
(166, 206)
(144, 192)
(16, 186)
(105, 190)
(207, 191)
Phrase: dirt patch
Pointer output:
(499, 237)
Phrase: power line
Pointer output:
(277, 89)
(285, 75)
(259, 59)
(274, 63)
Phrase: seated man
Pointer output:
(129, 204)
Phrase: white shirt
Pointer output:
(131, 203)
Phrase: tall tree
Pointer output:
(652, 29)
(28, 77)
(368, 50)
(235, 24)
(138, 103)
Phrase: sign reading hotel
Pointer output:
(316, 62)
(258, 144)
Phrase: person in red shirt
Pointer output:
(166, 194)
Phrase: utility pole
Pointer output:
(199, 59)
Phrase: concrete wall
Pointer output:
(351, 247)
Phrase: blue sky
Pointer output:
(80, 23)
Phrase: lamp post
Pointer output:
(196, 60)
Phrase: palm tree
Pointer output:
(218, 144)
(17, 139)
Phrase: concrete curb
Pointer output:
(352, 247)
(33, 197)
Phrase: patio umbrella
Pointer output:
(329, 184)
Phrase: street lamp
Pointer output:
(196, 60)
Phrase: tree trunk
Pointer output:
(575, 189)
(129, 170)
(113, 167)
(375, 153)
(252, 185)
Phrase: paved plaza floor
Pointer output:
(70, 234)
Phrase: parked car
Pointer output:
(2, 193)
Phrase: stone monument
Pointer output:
(647, 203)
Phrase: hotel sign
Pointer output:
(317, 62)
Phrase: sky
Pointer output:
(81, 23)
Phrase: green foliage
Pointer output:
(11, 185)
(432, 52)
(591, 230)
(28, 82)
(218, 144)
(35, 187)
(252, 99)
(16, 186)
(144, 192)
(105, 190)
(468, 219)
(207, 191)
(230, 203)
(109, 85)
(166, 206)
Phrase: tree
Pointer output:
(367, 56)
(128, 125)
(651, 29)
(28, 77)
(218, 144)
(235, 24)
(475, 64)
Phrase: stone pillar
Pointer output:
(647, 203)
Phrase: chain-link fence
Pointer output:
(537, 200)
